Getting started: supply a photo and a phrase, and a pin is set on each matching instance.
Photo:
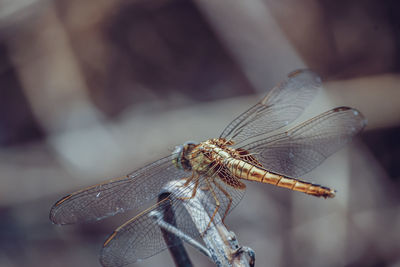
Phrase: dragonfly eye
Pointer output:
(178, 150)
(180, 153)
(190, 143)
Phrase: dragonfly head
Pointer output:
(180, 153)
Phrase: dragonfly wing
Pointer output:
(141, 237)
(137, 239)
(116, 195)
(302, 148)
(282, 105)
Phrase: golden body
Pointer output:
(216, 157)
(218, 161)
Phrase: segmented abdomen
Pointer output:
(247, 171)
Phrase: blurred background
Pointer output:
(95, 89)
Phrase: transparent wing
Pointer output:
(301, 149)
(141, 237)
(283, 104)
(116, 195)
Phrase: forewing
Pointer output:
(301, 149)
(141, 237)
(116, 195)
(283, 104)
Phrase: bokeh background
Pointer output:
(94, 89)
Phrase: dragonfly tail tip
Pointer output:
(331, 194)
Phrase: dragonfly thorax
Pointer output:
(203, 156)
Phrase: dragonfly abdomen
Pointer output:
(247, 171)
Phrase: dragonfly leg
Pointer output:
(196, 185)
(228, 196)
(188, 179)
(206, 187)
(217, 204)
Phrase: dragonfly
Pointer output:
(254, 147)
